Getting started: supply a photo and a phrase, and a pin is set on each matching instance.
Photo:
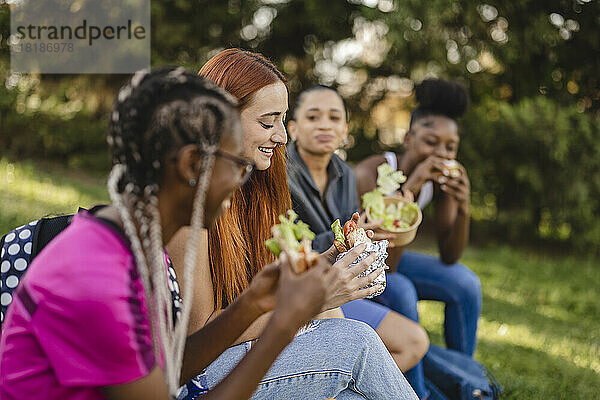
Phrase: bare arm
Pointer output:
(203, 303)
(366, 175)
(239, 384)
(220, 333)
(151, 387)
(242, 381)
(253, 331)
(257, 327)
(452, 217)
(298, 299)
(225, 326)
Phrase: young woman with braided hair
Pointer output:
(92, 318)
(330, 358)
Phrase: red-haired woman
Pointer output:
(330, 357)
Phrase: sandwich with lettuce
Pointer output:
(351, 234)
(295, 238)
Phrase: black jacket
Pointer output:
(340, 199)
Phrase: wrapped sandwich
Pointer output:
(295, 238)
(351, 235)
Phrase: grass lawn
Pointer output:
(540, 328)
(28, 192)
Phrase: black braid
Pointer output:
(154, 115)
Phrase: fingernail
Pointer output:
(443, 186)
(442, 179)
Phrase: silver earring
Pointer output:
(192, 182)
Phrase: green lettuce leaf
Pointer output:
(388, 179)
(291, 233)
(394, 216)
(338, 231)
(273, 246)
(374, 201)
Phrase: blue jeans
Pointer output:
(337, 358)
(424, 277)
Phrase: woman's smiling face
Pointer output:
(263, 124)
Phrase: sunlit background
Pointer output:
(530, 142)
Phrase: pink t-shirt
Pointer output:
(79, 319)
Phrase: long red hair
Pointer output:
(236, 242)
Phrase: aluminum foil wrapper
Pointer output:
(380, 248)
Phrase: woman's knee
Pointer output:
(415, 344)
(469, 285)
(420, 341)
(406, 339)
(348, 333)
(364, 339)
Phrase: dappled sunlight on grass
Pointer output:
(27, 193)
(540, 327)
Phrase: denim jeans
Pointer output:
(424, 277)
(334, 357)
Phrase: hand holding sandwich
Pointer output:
(292, 238)
(458, 187)
(430, 169)
(349, 286)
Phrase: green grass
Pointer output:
(540, 328)
(28, 192)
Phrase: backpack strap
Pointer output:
(48, 228)
(496, 387)
(18, 248)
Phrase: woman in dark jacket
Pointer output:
(323, 189)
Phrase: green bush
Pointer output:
(534, 167)
(52, 123)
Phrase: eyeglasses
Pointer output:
(246, 166)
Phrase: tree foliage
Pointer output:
(529, 142)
